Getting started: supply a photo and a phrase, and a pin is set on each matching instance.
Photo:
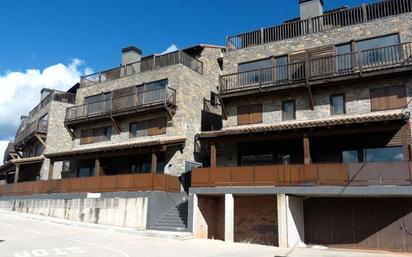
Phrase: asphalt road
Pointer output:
(25, 237)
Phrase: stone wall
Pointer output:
(401, 24)
(191, 87)
(356, 95)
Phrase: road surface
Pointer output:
(26, 237)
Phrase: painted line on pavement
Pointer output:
(95, 245)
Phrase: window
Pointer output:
(249, 114)
(151, 92)
(350, 156)
(372, 51)
(250, 72)
(337, 104)
(148, 127)
(344, 59)
(281, 68)
(385, 154)
(89, 136)
(85, 172)
(260, 159)
(98, 103)
(388, 98)
(288, 110)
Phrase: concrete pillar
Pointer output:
(51, 167)
(16, 174)
(229, 217)
(154, 163)
(291, 227)
(213, 155)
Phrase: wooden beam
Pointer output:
(306, 150)
(51, 167)
(116, 126)
(223, 107)
(70, 131)
(16, 174)
(154, 162)
(405, 144)
(213, 155)
(97, 168)
(40, 139)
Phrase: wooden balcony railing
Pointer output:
(38, 126)
(339, 174)
(133, 182)
(166, 96)
(399, 55)
(149, 63)
(330, 20)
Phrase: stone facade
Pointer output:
(401, 24)
(191, 87)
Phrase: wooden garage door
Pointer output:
(363, 223)
(256, 220)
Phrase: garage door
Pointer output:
(256, 220)
(364, 223)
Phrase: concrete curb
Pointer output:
(142, 233)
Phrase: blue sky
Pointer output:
(51, 43)
(40, 33)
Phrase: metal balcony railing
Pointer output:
(393, 56)
(149, 63)
(331, 20)
(166, 96)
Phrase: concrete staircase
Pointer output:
(174, 218)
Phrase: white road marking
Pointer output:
(95, 245)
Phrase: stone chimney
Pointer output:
(131, 54)
(310, 8)
(45, 92)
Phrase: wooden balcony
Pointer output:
(132, 182)
(378, 61)
(150, 100)
(332, 20)
(337, 174)
(36, 127)
(149, 63)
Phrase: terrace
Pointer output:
(149, 63)
(371, 62)
(143, 101)
(330, 20)
(39, 126)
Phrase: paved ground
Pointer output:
(24, 237)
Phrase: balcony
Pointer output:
(36, 127)
(143, 101)
(132, 182)
(336, 174)
(149, 63)
(394, 58)
(331, 20)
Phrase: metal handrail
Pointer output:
(165, 95)
(149, 63)
(327, 21)
(315, 68)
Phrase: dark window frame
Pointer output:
(94, 135)
(283, 109)
(331, 103)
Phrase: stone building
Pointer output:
(41, 132)
(315, 143)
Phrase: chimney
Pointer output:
(45, 92)
(310, 8)
(131, 54)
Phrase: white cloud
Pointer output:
(170, 49)
(3, 146)
(20, 91)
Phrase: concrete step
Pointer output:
(171, 225)
(166, 228)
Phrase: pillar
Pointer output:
(97, 168)
(51, 167)
(213, 155)
(405, 144)
(16, 174)
(306, 150)
(291, 227)
(154, 163)
(229, 218)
